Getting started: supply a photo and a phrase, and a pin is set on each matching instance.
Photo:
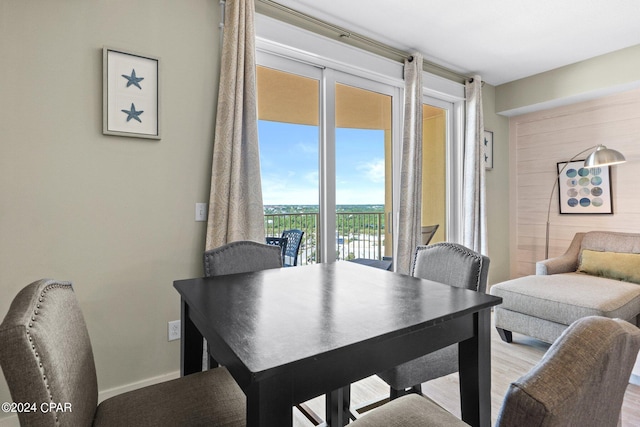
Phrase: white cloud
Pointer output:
(307, 148)
(289, 189)
(373, 170)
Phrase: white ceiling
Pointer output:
(501, 40)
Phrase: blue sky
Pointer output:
(289, 163)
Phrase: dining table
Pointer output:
(287, 335)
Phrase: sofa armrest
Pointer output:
(566, 263)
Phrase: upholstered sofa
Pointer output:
(599, 275)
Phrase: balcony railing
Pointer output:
(358, 234)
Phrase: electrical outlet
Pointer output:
(174, 330)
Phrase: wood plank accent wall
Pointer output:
(538, 141)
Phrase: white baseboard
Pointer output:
(634, 379)
(12, 420)
(106, 394)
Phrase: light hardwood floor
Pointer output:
(508, 362)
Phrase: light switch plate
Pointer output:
(201, 211)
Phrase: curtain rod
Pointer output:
(284, 13)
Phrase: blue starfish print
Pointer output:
(133, 80)
(133, 114)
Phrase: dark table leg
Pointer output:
(475, 373)
(268, 403)
(337, 407)
(190, 343)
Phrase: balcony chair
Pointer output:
(47, 360)
(428, 232)
(580, 381)
(241, 257)
(451, 264)
(278, 241)
(294, 239)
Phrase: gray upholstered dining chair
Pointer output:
(580, 381)
(453, 265)
(46, 357)
(241, 257)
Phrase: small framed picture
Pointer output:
(584, 190)
(488, 150)
(131, 98)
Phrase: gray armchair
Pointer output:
(580, 381)
(46, 356)
(454, 265)
(241, 257)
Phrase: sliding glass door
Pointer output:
(326, 147)
(363, 158)
(434, 166)
(289, 139)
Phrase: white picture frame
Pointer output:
(131, 94)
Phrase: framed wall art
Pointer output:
(131, 98)
(488, 150)
(584, 190)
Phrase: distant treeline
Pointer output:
(283, 209)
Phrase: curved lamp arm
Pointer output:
(555, 185)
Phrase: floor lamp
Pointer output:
(601, 156)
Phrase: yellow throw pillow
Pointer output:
(613, 265)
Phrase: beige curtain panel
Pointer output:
(409, 231)
(235, 204)
(474, 226)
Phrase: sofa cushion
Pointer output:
(612, 265)
(564, 298)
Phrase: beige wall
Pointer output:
(114, 215)
(497, 182)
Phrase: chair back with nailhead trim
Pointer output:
(46, 356)
(242, 256)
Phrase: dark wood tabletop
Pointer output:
(290, 334)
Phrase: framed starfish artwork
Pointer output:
(488, 150)
(131, 89)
